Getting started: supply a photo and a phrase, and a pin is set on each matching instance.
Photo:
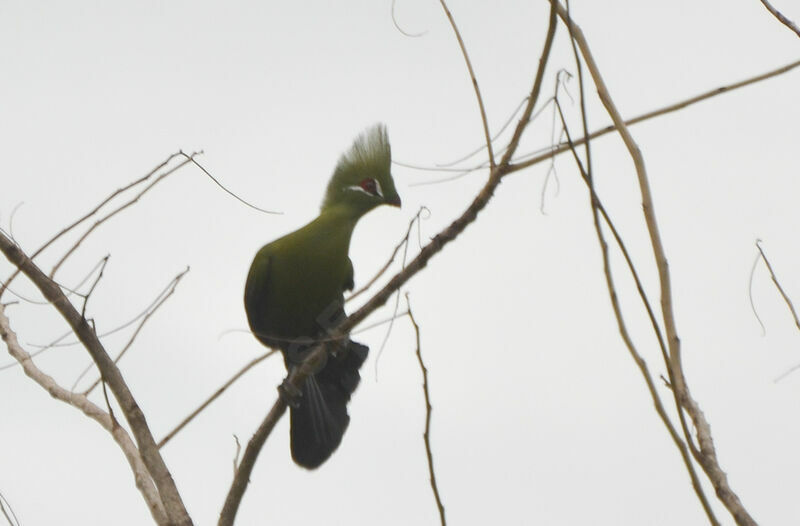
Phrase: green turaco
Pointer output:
(295, 294)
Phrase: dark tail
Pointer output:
(320, 420)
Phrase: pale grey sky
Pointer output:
(540, 416)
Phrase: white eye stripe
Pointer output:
(358, 188)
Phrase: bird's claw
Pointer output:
(290, 394)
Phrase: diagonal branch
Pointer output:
(707, 454)
(474, 83)
(252, 363)
(140, 472)
(564, 147)
(781, 18)
(298, 374)
(597, 206)
(89, 214)
(173, 505)
(778, 285)
(130, 202)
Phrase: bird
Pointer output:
(294, 295)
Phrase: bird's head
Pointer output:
(363, 179)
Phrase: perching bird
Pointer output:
(295, 293)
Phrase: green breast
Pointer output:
(295, 286)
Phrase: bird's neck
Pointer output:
(339, 221)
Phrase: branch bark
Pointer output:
(173, 505)
(140, 473)
(298, 375)
(782, 19)
(706, 456)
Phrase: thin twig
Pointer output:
(706, 456)
(397, 26)
(597, 206)
(778, 284)
(191, 158)
(88, 295)
(750, 293)
(89, 214)
(141, 474)
(782, 19)
(120, 209)
(162, 297)
(403, 241)
(213, 397)
(428, 409)
(488, 136)
(173, 504)
(12, 519)
(396, 307)
(238, 452)
(497, 134)
(298, 374)
(561, 148)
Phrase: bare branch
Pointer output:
(597, 206)
(162, 297)
(778, 284)
(298, 374)
(428, 409)
(141, 474)
(242, 475)
(535, 90)
(486, 133)
(12, 519)
(782, 19)
(561, 148)
(92, 212)
(397, 26)
(385, 267)
(173, 505)
(213, 397)
(707, 454)
(189, 158)
(750, 293)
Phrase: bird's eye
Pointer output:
(371, 186)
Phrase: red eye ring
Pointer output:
(369, 185)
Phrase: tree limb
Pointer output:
(140, 472)
(298, 374)
(707, 454)
(173, 505)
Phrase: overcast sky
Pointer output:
(540, 415)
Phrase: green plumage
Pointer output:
(295, 293)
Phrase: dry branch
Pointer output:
(564, 147)
(597, 206)
(778, 285)
(426, 436)
(130, 202)
(781, 18)
(173, 505)
(706, 456)
(298, 375)
(89, 214)
(79, 401)
(252, 363)
(472, 77)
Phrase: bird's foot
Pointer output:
(290, 394)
